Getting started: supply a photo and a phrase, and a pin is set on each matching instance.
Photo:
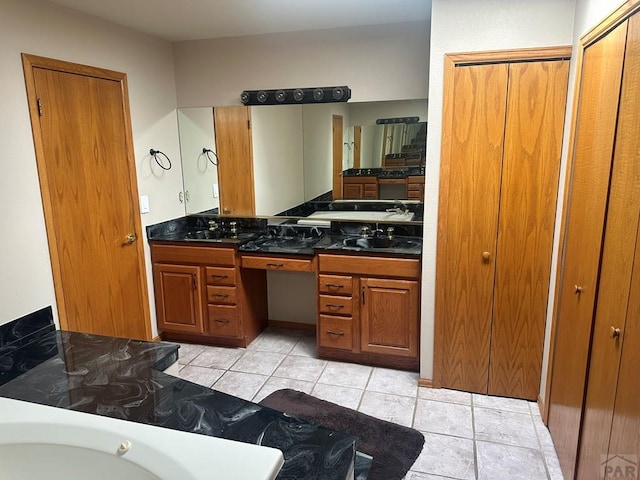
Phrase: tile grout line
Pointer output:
(473, 434)
(364, 390)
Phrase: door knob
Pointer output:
(614, 332)
(129, 239)
(486, 256)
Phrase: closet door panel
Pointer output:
(620, 256)
(530, 168)
(468, 220)
(587, 199)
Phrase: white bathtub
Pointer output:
(39, 442)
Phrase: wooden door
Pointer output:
(584, 222)
(357, 145)
(625, 427)
(82, 135)
(530, 168)
(179, 295)
(338, 141)
(235, 160)
(620, 254)
(475, 107)
(389, 317)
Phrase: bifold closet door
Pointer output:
(620, 254)
(594, 137)
(470, 220)
(530, 170)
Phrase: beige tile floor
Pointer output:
(467, 436)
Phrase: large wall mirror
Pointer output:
(293, 157)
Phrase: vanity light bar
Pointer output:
(397, 120)
(296, 95)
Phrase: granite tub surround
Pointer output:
(25, 329)
(122, 378)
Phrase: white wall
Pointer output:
(317, 121)
(463, 26)
(377, 62)
(277, 157)
(199, 173)
(41, 28)
(588, 14)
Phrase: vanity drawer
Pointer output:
(335, 332)
(336, 305)
(221, 276)
(223, 320)
(278, 263)
(225, 295)
(190, 254)
(376, 266)
(335, 284)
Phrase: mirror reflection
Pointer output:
(304, 153)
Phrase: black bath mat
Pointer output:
(393, 447)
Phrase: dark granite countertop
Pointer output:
(399, 172)
(349, 244)
(121, 378)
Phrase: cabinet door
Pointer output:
(235, 165)
(179, 302)
(530, 169)
(473, 138)
(353, 190)
(389, 317)
(584, 222)
(620, 253)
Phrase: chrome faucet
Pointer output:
(213, 225)
(365, 231)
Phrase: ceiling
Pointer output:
(178, 20)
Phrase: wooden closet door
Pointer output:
(530, 168)
(619, 254)
(594, 138)
(235, 164)
(468, 223)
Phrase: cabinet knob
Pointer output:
(486, 256)
(614, 332)
(578, 289)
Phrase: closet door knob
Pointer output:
(578, 289)
(614, 332)
(486, 256)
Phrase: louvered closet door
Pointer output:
(471, 213)
(530, 168)
(587, 199)
(620, 254)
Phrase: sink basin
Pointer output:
(382, 242)
(371, 242)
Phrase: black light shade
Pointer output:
(296, 95)
(381, 121)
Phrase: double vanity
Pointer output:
(210, 278)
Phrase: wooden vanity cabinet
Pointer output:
(201, 295)
(415, 187)
(358, 188)
(368, 310)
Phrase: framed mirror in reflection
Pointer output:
(310, 153)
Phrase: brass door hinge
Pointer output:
(39, 108)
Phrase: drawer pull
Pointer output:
(334, 285)
(333, 305)
(338, 334)
(223, 322)
(221, 295)
(275, 265)
(219, 276)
